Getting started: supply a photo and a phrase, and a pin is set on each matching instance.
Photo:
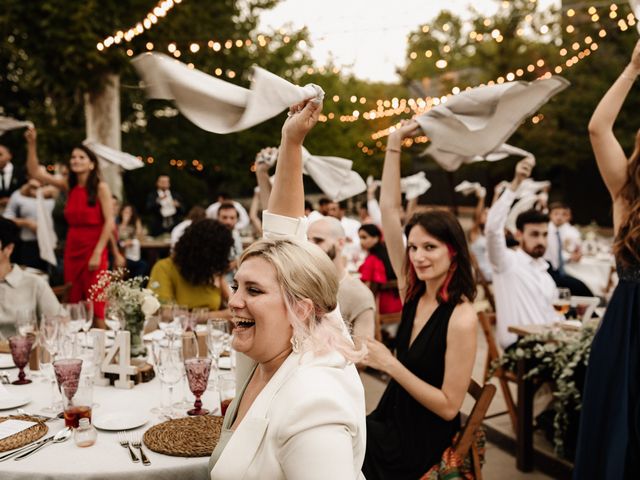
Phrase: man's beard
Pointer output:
(535, 252)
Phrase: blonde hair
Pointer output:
(304, 271)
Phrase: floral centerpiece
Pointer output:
(128, 301)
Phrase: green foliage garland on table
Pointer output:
(558, 356)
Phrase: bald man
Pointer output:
(356, 301)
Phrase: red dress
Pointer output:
(85, 226)
(372, 270)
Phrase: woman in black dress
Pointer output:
(609, 435)
(418, 414)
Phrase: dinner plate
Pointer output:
(118, 420)
(6, 361)
(13, 401)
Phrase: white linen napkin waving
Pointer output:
(414, 185)
(108, 154)
(8, 123)
(480, 120)
(213, 104)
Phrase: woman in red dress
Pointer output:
(376, 268)
(89, 215)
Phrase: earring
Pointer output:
(295, 344)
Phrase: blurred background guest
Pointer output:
(196, 214)
(129, 235)
(10, 179)
(165, 207)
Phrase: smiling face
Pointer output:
(262, 330)
(533, 238)
(428, 255)
(80, 162)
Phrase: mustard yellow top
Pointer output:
(170, 286)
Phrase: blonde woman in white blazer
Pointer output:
(301, 411)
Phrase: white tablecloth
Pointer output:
(593, 271)
(107, 459)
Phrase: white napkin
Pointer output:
(503, 151)
(530, 186)
(635, 8)
(45, 233)
(213, 104)
(478, 121)
(4, 393)
(525, 203)
(125, 160)
(11, 427)
(414, 185)
(332, 174)
(8, 123)
(466, 187)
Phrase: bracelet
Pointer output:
(395, 150)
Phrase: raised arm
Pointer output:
(390, 199)
(497, 217)
(611, 159)
(33, 165)
(287, 195)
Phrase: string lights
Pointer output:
(159, 11)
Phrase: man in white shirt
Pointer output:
(243, 217)
(356, 301)
(228, 216)
(523, 289)
(20, 290)
(9, 181)
(564, 247)
(165, 206)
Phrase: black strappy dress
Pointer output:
(404, 439)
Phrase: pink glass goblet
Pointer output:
(67, 371)
(198, 375)
(20, 350)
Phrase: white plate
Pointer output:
(118, 420)
(7, 403)
(224, 363)
(6, 361)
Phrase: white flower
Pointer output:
(150, 304)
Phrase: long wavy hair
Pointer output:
(92, 180)
(304, 271)
(459, 283)
(379, 250)
(203, 251)
(627, 244)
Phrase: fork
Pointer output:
(122, 439)
(136, 442)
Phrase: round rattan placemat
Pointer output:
(24, 437)
(185, 437)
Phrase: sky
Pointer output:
(369, 36)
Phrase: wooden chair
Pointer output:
(464, 443)
(62, 292)
(487, 322)
(384, 318)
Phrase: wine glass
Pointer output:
(20, 350)
(89, 310)
(26, 322)
(113, 317)
(217, 333)
(188, 349)
(167, 359)
(198, 370)
(46, 354)
(562, 301)
(167, 324)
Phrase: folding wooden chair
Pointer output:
(487, 322)
(384, 318)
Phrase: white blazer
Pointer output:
(307, 423)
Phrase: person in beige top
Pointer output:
(20, 289)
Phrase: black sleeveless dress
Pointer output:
(404, 439)
(609, 435)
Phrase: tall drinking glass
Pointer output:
(217, 335)
(170, 368)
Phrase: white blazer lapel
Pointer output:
(246, 439)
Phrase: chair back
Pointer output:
(483, 396)
(487, 321)
(62, 292)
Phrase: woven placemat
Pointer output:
(185, 437)
(24, 437)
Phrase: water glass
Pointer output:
(20, 351)
(217, 335)
(169, 368)
(227, 391)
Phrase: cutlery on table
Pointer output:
(122, 439)
(136, 442)
(62, 436)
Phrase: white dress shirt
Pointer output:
(178, 231)
(243, 216)
(523, 288)
(7, 174)
(569, 237)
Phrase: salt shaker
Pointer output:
(85, 435)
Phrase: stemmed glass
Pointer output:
(198, 370)
(67, 370)
(217, 333)
(20, 350)
(88, 323)
(189, 349)
(167, 360)
(562, 301)
(48, 348)
(167, 324)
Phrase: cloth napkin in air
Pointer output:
(414, 185)
(478, 121)
(108, 154)
(8, 123)
(213, 104)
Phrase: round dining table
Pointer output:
(106, 459)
